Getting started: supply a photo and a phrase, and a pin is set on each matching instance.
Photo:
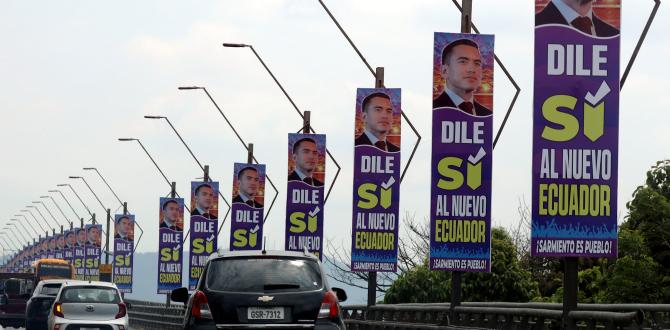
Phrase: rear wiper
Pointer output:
(280, 286)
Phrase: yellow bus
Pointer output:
(46, 269)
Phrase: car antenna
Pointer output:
(265, 242)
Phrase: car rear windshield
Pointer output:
(263, 275)
(54, 270)
(90, 294)
(50, 289)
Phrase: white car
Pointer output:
(88, 305)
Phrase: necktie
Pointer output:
(467, 107)
(250, 202)
(308, 181)
(583, 24)
(381, 145)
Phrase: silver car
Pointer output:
(88, 306)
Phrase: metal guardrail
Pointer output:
(440, 316)
(146, 315)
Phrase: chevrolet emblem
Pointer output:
(265, 298)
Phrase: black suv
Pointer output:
(262, 289)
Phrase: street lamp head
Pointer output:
(189, 87)
(34, 202)
(44, 196)
(127, 139)
(62, 185)
(227, 44)
(154, 117)
(54, 191)
(89, 168)
(74, 177)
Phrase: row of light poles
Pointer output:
(15, 239)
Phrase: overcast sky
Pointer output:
(77, 75)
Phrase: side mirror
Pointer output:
(179, 295)
(341, 294)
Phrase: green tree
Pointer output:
(506, 282)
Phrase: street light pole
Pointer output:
(66, 201)
(45, 207)
(123, 205)
(28, 221)
(246, 146)
(91, 189)
(108, 211)
(28, 207)
(9, 239)
(32, 230)
(58, 207)
(194, 158)
(78, 197)
(13, 224)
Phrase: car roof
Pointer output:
(60, 280)
(82, 283)
(265, 253)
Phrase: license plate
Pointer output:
(89, 328)
(265, 313)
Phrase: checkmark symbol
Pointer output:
(210, 238)
(600, 94)
(314, 212)
(255, 229)
(177, 247)
(388, 183)
(480, 154)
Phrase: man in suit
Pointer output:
(204, 200)
(171, 216)
(93, 236)
(462, 72)
(305, 156)
(249, 181)
(71, 239)
(377, 111)
(122, 228)
(575, 13)
(81, 237)
(60, 242)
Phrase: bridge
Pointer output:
(442, 316)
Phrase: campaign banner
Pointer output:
(60, 246)
(70, 244)
(246, 225)
(204, 227)
(376, 191)
(124, 237)
(79, 253)
(575, 129)
(462, 152)
(92, 247)
(305, 193)
(44, 247)
(170, 238)
(51, 251)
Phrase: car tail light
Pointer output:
(200, 309)
(56, 326)
(330, 309)
(121, 327)
(58, 310)
(122, 311)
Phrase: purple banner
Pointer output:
(460, 200)
(51, 251)
(92, 247)
(575, 130)
(70, 244)
(124, 237)
(246, 225)
(376, 195)
(44, 247)
(170, 239)
(79, 253)
(305, 193)
(60, 246)
(204, 227)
